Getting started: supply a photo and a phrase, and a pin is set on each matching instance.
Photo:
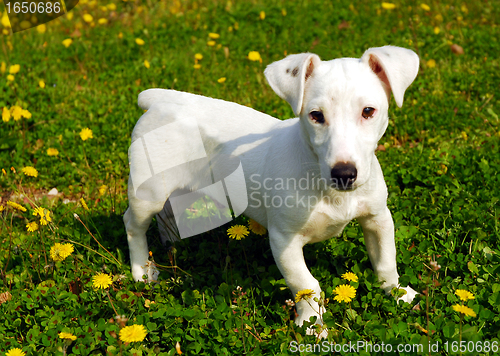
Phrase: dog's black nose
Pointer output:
(343, 175)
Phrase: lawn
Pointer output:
(69, 103)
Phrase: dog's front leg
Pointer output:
(287, 252)
(378, 231)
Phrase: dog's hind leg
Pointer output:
(167, 225)
(137, 219)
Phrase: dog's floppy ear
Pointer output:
(288, 77)
(395, 66)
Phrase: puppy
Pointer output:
(304, 179)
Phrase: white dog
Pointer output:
(306, 178)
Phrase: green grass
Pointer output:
(441, 165)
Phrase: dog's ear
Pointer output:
(395, 66)
(288, 77)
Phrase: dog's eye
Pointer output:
(317, 116)
(368, 112)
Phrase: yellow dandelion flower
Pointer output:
(86, 133)
(350, 277)
(67, 42)
(102, 281)
(11, 78)
(16, 206)
(84, 204)
(344, 293)
(147, 64)
(254, 56)
(211, 43)
(431, 63)
(41, 84)
(388, 6)
(67, 336)
(283, 12)
(213, 35)
(5, 20)
(3, 67)
(88, 18)
(30, 171)
(70, 15)
(15, 352)
(59, 252)
(237, 232)
(221, 80)
(44, 220)
(6, 114)
(102, 21)
(26, 114)
(304, 294)
(2, 208)
(198, 56)
(14, 69)
(463, 310)
(102, 189)
(32, 226)
(39, 211)
(52, 151)
(256, 228)
(262, 15)
(111, 7)
(41, 28)
(139, 41)
(197, 66)
(464, 295)
(16, 112)
(464, 135)
(133, 333)
(437, 30)
(425, 7)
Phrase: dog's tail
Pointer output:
(151, 96)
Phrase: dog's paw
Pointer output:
(320, 331)
(147, 273)
(409, 295)
(153, 272)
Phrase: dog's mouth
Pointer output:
(343, 185)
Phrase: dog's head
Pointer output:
(343, 105)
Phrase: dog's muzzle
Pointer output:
(344, 175)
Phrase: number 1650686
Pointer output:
(27, 7)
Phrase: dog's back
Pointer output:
(214, 117)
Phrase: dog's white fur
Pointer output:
(296, 148)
